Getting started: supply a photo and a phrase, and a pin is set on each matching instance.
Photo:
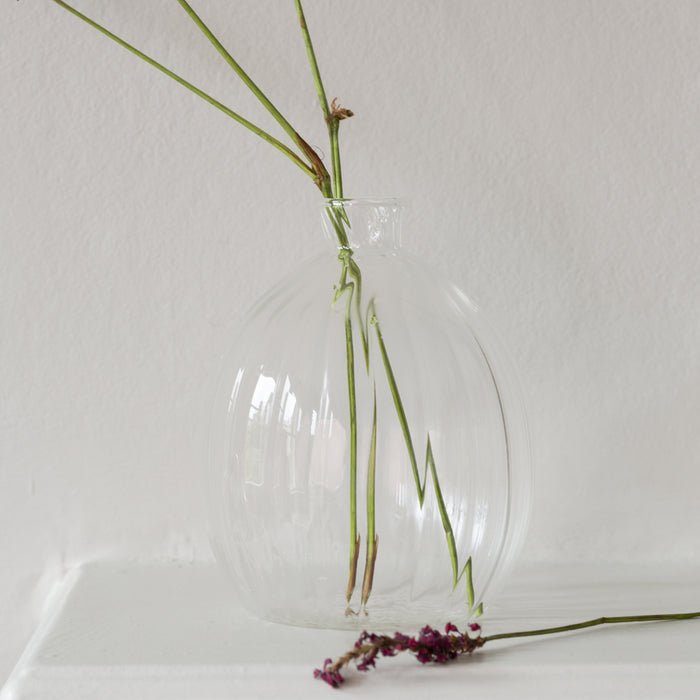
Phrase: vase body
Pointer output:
(369, 461)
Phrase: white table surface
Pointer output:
(174, 631)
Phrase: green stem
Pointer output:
(593, 623)
(333, 128)
(356, 275)
(348, 287)
(276, 114)
(372, 537)
(337, 216)
(421, 485)
(312, 61)
(400, 411)
(332, 120)
(200, 93)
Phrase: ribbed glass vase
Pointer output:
(369, 461)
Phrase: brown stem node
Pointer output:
(337, 112)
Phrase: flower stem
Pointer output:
(350, 362)
(276, 114)
(331, 118)
(592, 623)
(421, 484)
(372, 537)
(312, 61)
(349, 287)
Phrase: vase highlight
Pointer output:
(369, 460)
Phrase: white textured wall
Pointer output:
(550, 154)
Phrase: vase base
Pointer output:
(385, 613)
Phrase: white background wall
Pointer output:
(549, 151)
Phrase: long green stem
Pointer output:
(331, 118)
(200, 93)
(421, 485)
(593, 623)
(348, 288)
(312, 61)
(372, 537)
(353, 288)
(276, 114)
(352, 400)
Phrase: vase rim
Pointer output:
(394, 202)
(370, 224)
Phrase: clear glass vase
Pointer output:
(369, 461)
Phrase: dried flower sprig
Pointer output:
(432, 646)
(429, 646)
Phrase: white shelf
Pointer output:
(173, 631)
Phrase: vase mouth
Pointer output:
(394, 202)
(370, 224)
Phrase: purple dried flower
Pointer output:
(429, 646)
(329, 674)
(401, 641)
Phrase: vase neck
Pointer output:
(367, 224)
